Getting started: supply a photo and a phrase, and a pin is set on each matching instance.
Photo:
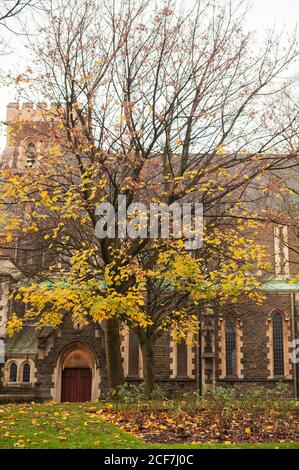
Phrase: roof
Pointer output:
(272, 285)
(50, 283)
(26, 340)
(280, 285)
(8, 268)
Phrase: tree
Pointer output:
(164, 298)
(12, 8)
(155, 104)
(181, 287)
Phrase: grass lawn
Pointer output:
(56, 426)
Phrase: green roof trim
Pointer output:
(280, 285)
(273, 285)
(52, 283)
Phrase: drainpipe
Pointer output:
(198, 358)
(293, 327)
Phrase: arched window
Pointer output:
(30, 154)
(13, 372)
(133, 366)
(230, 346)
(278, 346)
(26, 372)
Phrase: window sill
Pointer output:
(19, 384)
(231, 378)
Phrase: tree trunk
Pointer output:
(113, 353)
(149, 364)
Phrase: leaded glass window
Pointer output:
(26, 373)
(278, 352)
(230, 346)
(13, 371)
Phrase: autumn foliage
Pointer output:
(160, 105)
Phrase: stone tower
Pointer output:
(26, 130)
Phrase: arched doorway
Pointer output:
(76, 375)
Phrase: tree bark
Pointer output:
(149, 364)
(113, 354)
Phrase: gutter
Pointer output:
(293, 327)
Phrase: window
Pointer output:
(133, 369)
(131, 354)
(230, 346)
(30, 155)
(279, 331)
(281, 251)
(182, 359)
(278, 346)
(26, 372)
(13, 371)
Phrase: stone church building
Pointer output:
(249, 346)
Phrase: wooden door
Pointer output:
(76, 385)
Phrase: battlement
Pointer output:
(28, 111)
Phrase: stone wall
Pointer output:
(91, 336)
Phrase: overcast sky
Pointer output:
(284, 14)
(264, 13)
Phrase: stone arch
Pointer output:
(274, 311)
(19, 363)
(76, 354)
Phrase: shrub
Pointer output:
(220, 402)
(132, 394)
(280, 391)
